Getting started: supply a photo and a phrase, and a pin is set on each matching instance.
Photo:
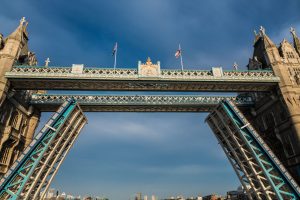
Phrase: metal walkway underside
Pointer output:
(63, 78)
(138, 103)
(30, 176)
(259, 170)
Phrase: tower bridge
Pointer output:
(259, 130)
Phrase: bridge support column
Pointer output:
(32, 125)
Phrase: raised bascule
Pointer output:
(258, 129)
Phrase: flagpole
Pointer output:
(181, 62)
(115, 63)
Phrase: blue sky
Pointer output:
(119, 154)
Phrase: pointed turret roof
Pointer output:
(262, 46)
(20, 33)
(296, 40)
(284, 42)
(264, 39)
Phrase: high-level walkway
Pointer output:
(137, 103)
(261, 173)
(66, 78)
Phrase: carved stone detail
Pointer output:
(254, 64)
(28, 59)
(149, 69)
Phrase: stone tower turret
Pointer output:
(277, 114)
(265, 51)
(12, 47)
(18, 120)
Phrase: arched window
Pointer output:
(290, 54)
(4, 153)
(16, 120)
(23, 128)
(15, 117)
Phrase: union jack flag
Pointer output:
(178, 52)
(115, 49)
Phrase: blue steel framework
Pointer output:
(251, 158)
(138, 103)
(35, 168)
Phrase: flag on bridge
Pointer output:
(179, 54)
(115, 49)
(114, 53)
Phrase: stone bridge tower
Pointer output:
(277, 115)
(18, 120)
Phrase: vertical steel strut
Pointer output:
(36, 167)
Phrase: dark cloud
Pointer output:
(211, 32)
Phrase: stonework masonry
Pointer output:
(18, 120)
(276, 115)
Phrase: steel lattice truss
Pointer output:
(259, 170)
(36, 167)
(133, 73)
(28, 77)
(141, 103)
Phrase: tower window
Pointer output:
(15, 119)
(290, 54)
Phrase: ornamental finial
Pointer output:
(293, 31)
(148, 61)
(47, 61)
(235, 66)
(22, 21)
(262, 30)
(255, 33)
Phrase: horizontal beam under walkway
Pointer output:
(137, 103)
(66, 78)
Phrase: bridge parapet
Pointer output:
(81, 78)
(263, 75)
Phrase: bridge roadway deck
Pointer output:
(138, 103)
(64, 78)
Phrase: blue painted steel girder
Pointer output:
(64, 78)
(262, 170)
(139, 103)
(15, 183)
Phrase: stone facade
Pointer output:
(276, 115)
(18, 120)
